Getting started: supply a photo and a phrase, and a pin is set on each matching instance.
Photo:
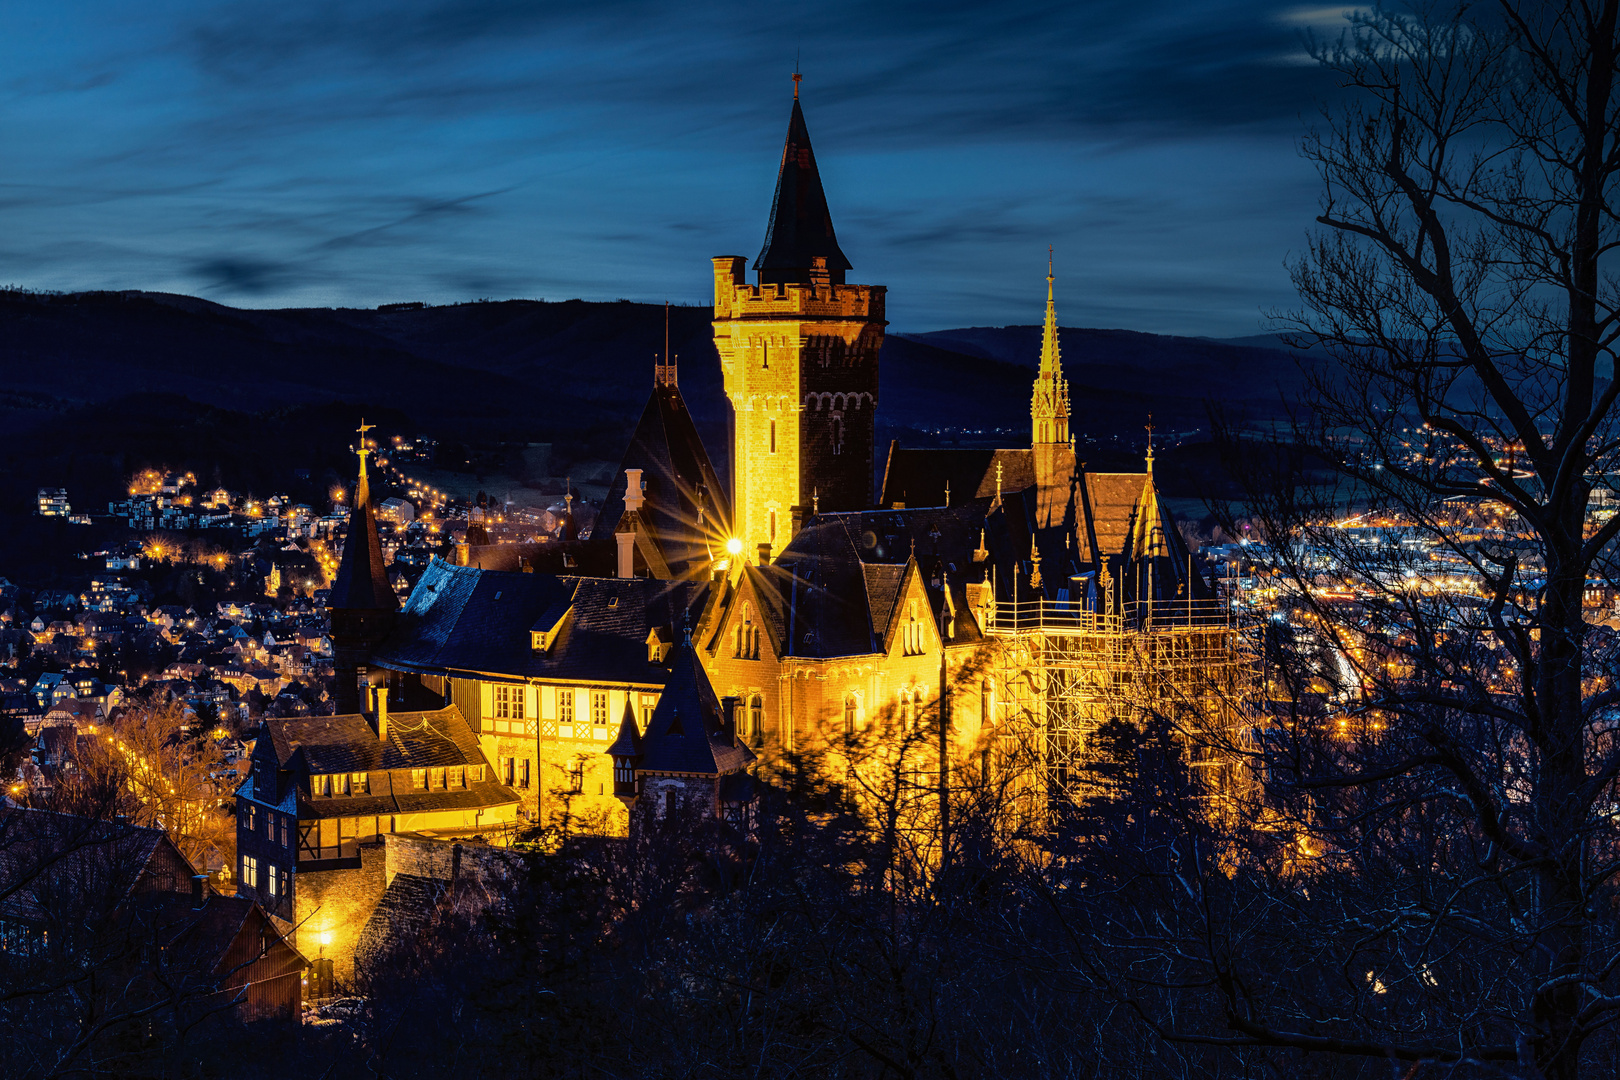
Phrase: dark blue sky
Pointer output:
(283, 152)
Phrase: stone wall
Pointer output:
(331, 908)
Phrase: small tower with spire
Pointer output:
(799, 356)
(361, 603)
(1049, 405)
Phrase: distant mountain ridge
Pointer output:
(572, 372)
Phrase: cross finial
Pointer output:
(1150, 442)
(364, 450)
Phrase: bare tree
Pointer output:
(1429, 871)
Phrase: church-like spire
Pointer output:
(362, 579)
(1049, 405)
(800, 245)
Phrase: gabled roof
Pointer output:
(462, 619)
(336, 744)
(685, 509)
(919, 477)
(801, 226)
(687, 732)
(362, 579)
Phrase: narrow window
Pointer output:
(773, 526)
(359, 784)
(509, 770)
(773, 436)
(599, 707)
(250, 871)
(523, 774)
(756, 715)
(475, 774)
(419, 779)
(565, 705)
(850, 707)
(436, 779)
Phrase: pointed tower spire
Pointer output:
(362, 579)
(1049, 405)
(800, 245)
(361, 603)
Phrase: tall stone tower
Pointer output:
(361, 604)
(799, 355)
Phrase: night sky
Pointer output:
(354, 153)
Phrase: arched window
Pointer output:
(756, 716)
(912, 638)
(987, 703)
(773, 526)
(747, 636)
(851, 707)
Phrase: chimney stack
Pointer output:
(764, 553)
(633, 496)
(627, 553)
(380, 705)
(199, 890)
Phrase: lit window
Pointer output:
(851, 708)
(419, 779)
(475, 774)
(565, 705)
(359, 784)
(509, 702)
(599, 707)
(436, 779)
(756, 715)
(250, 871)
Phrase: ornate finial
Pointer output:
(664, 367)
(998, 481)
(1150, 443)
(686, 626)
(1035, 561)
(568, 495)
(914, 548)
(364, 450)
(1049, 277)
(947, 493)
(796, 78)
(815, 501)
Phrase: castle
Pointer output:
(1004, 596)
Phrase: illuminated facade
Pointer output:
(799, 355)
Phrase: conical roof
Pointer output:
(686, 733)
(362, 579)
(801, 227)
(628, 744)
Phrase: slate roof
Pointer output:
(346, 744)
(404, 912)
(463, 619)
(336, 744)
(687, 731)
(678, 480)
(919, 476)
(801, 226)
(362, 579)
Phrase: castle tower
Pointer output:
(799, 355)
(1049, 405)
(361, 604)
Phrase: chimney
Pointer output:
(799, 512)
(728, 707)
(764, 553)
(199, 890)
(627, 553)
(633, 496)
(380, 701)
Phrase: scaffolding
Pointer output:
(1059, 671)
